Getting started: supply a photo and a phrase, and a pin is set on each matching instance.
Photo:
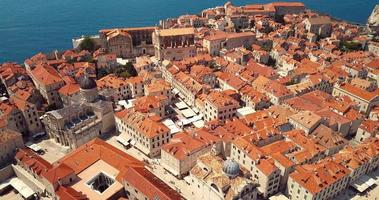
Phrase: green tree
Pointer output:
(130, 69)
(87, 44)
(350, 46)
(101, 72)
(126, 70)
(125, 74)
(118, 70)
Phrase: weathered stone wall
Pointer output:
(373, 21)
(6, 173)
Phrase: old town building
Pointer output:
(218, 40)
(174, 44)
(86, 117)
(128, 42)
(219, 106)
(179, 156)
(214, 178)
(323, 180)
(10, 141)
(95, 170)
(146, 132)
(48, 81)
(366, 100)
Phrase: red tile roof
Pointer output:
(68, 193)
(97, 149)
(46, 74)
(317, 177)
(58, 172)
(33, 161)
(150, 185)
(184, 144)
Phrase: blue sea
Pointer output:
(31, 26)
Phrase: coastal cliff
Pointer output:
(373, 21)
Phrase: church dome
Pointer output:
(87, 83)
(231, 168)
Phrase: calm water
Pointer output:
(31, 26)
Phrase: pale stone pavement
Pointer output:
(177, 184)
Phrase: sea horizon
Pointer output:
(30, 27)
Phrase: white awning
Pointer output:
(168, 122)
(181, 95)
(363, 182)
(188, 113)
(183, 122)
(196, 110)
(133, 142)
(181, 105)
(198, 124)
(278, 196)
(122, 140)
(175, 91)
(25, 191)
(35, 147)
(171, 125)
(197, 118)
(122, 103)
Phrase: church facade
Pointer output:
(84, 118)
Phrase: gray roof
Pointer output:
(86, 82)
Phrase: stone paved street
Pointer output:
(53, 151)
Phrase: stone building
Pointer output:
(10, 141)
(367, 129)
(305, 120)
(174, 44)
(360, 159)
(95, 170)
(220, 106)
(218, 40)
(215, 179)
(30, 114)
(320, 26)
(323, 180)
(128, 42)
(146, 132)
(179, 156)
(365, 100)
(84, 118)
(262, 168)
(48, 81)
(187, 86)
(11, 117)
